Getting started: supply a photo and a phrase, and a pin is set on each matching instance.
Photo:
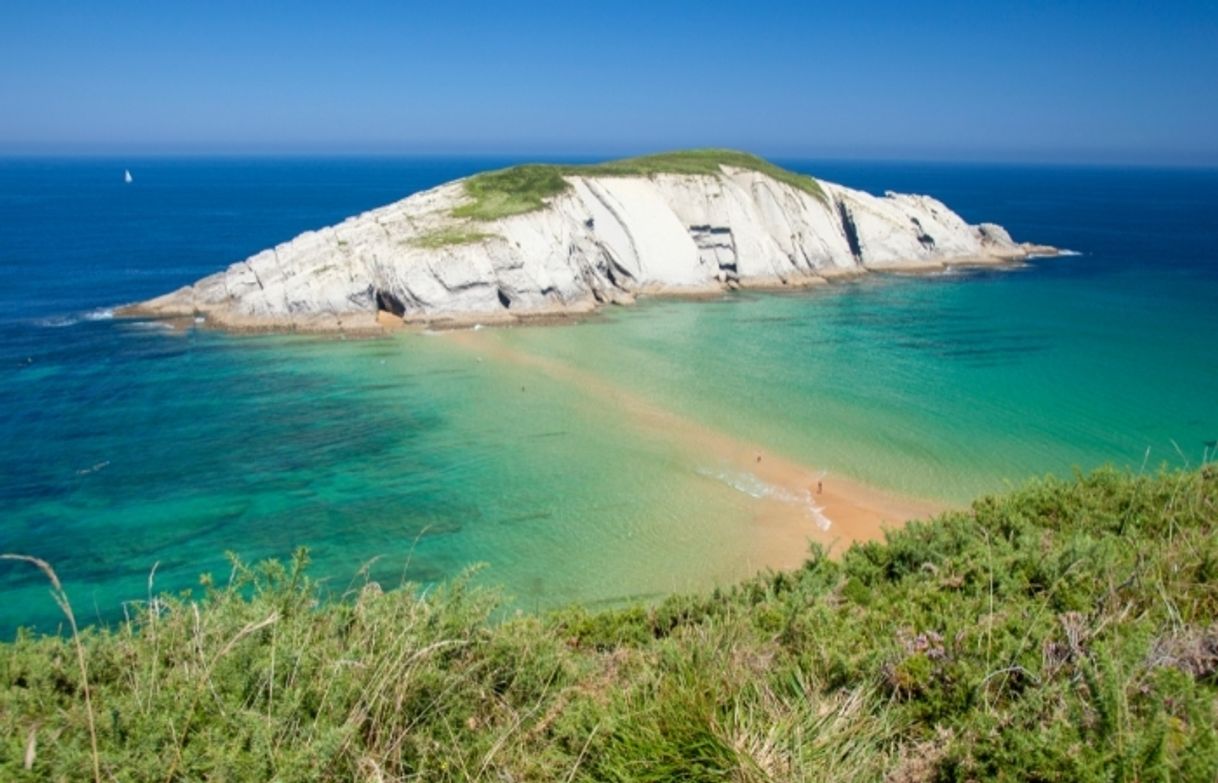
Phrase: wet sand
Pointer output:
(788, 510)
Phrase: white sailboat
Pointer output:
(127, 176)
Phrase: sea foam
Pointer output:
(60, 321)
(753, 486)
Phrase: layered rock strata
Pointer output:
(606, 239)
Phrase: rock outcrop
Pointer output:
(605, 239)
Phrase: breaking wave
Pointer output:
(753, 486)
(60, 321)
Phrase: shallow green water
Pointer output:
(943, 387)
(411, 455)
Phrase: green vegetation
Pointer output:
(521, 189)
(1064, 632)
(449, 235)
(514, 191)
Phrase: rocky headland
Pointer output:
(540, 241)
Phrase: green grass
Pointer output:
(521, 189)
(1066, 631)
(449, 235)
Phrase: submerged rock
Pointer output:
(602, 238)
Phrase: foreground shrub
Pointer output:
(1067, 631)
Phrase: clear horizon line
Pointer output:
(996, 159)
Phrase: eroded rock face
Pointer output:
(605, 240)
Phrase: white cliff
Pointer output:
(604, 239)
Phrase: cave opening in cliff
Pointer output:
(387, 302)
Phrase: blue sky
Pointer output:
(1086, 82)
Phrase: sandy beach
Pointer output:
(788, 509)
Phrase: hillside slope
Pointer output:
(1066, 631)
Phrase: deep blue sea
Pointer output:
(124, 445)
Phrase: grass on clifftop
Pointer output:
(449, 235)
(521, 189)
(1067, 631)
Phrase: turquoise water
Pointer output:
(943, 387)
(409, 451)
(124, 445)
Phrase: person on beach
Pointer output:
(820, 486)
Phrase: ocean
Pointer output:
(126, 446)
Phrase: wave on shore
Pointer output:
(753, 486)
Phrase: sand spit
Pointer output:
(788, 509)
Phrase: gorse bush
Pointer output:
(1066, 631)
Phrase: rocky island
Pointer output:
(540, 240)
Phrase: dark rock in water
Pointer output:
(526, 518)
